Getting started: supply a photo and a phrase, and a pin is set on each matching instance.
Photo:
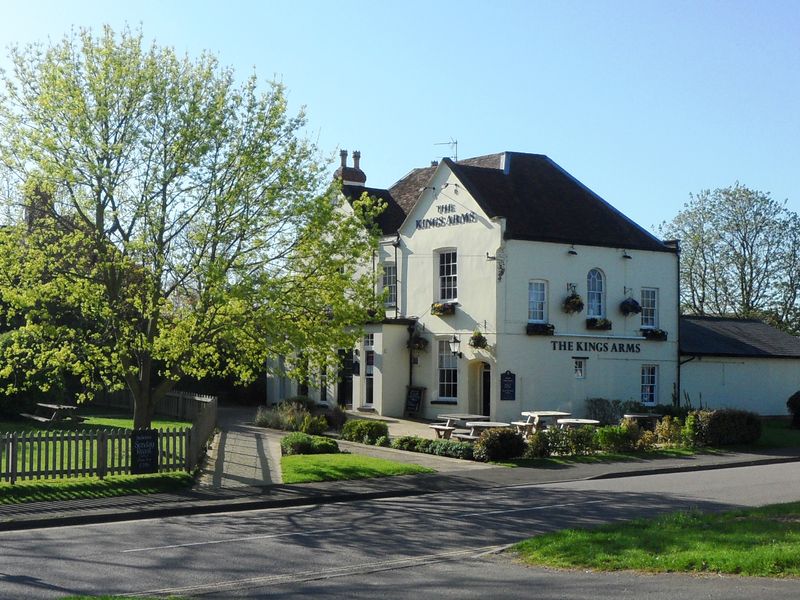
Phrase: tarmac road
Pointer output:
(439, 545)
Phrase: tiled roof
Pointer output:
(723, 336)
(542, 202)
(390, 219)
(407, 191)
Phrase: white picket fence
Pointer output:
(65, 454)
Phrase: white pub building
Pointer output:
(512, 287)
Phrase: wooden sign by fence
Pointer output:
(144, 451)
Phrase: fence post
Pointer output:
(190, 453)
(102, 453)
(12, 457)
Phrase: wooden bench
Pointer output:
(36, 418)
(442, 430)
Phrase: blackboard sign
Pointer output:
(144, 451)
(508, 386)
(414, 399)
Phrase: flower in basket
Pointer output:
(630, 306)
(573, 303)
(443, 308)
(655, 334)
(598, 323)
(539, 329)
(478, 340)
(417, 342)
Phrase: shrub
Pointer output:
(302, 443)
(615, 438)
(409, 443)
(450, 448)
(336, 417)
(581, 440)
(383, 441)
(499, 444)
(793, 404)
(558, 441)
(609, 412)
(538, 445)
(690, 430)
(313, 425)
(302, 401)
(646, 441)
(364, 431)
(669, 430)
(424, 445)
(729, 427)
(268, 417)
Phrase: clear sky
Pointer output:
(644, 102)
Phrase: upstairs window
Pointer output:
(390, 284)
(537, 301)
(649, 308)
(595, 294)
(448, 275)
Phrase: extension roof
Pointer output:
(723, 336)
(539, 200)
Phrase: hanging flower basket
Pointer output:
(656, 335)
(629, 306)
(598, 324)
(440, 309)
(478, 340)
(539, 329)
(573, 303)
(417, 342)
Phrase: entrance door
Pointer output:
(486, 389)
(344, 393)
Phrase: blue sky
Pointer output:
(644, 102)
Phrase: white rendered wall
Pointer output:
(761, 385)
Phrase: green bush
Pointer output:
(268, 417)
(690, 431)
(647, 441)
(609, 412)
(558, 441)
(303, 402)
(669, 431)
(538, 445)
(451, 449)
(302, 443)
(581, 440)
(616, 438)
(336, 417)
(364, 430)
(424, 445)
(409, 443)
(793, 404)
(499, 444)
(729, 426)
(313, 425)
(383, 441)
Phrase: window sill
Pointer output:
(444, 401)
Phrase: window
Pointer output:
(369, 366)
(390, 284)
(448, 275)
(448, 372)
(537, 302)
(594, 286)
(649, 308)
(580, 368)
(649, 381)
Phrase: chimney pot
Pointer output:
(434, 163)
(356, 158)
(343, 154)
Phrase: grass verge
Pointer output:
(91, 487)
(332, 467)
(778, 433)
(762, 542)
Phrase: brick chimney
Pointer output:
(350, 175)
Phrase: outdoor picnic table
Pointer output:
(49, 413)
(566, 423)
(477, 427)
(452, 418)
(534, 418)
(646, 420)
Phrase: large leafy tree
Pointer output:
(740, 255)
(168, 222)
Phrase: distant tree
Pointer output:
(177, 223)
(740, 255)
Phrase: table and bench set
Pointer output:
(53, 413)
(474, 425)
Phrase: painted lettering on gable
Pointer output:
(618, 347)
(447, 216)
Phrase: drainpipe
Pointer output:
(396, 245)
(411, 329)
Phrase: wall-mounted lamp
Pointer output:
(490, 257)
(455, 346)
(572, 251)
(626, 255)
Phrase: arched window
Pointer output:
(595, 294)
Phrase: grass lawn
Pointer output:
(81, 488)
(305, 468)
(762, 542)
(778, 434)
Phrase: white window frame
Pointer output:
(447, 372)
(447, 275)
(649, 384)
(595, 294)
(390, 283)
(537, 301)
(649, 305)
(579, 367)
(369, 369)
